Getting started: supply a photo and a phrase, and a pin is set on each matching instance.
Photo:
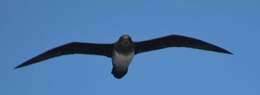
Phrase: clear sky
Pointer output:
(30, 27)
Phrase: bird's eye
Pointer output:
(125, 37)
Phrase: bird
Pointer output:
(124, 49)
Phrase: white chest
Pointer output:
(122, 60)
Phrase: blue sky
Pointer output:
(30, 27)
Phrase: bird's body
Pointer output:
(122, 56)
(120, 63)
(123, 51)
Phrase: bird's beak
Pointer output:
(126, 41)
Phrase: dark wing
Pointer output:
(72, 48)
(176, 41)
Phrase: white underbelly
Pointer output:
(120, 60)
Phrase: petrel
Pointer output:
(123, 50)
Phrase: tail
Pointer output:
(119, 72)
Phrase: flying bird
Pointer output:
(123, 50)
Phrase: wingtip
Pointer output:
(17, 67)
(21, 65)
(228, 52)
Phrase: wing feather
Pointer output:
(176, 41)
(71, 48)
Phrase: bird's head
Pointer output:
(124, 44)
(125, 39)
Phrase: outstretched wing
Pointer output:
(72, 48)
(176, 41)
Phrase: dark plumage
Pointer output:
(124, 49)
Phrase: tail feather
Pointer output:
(119, 72)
